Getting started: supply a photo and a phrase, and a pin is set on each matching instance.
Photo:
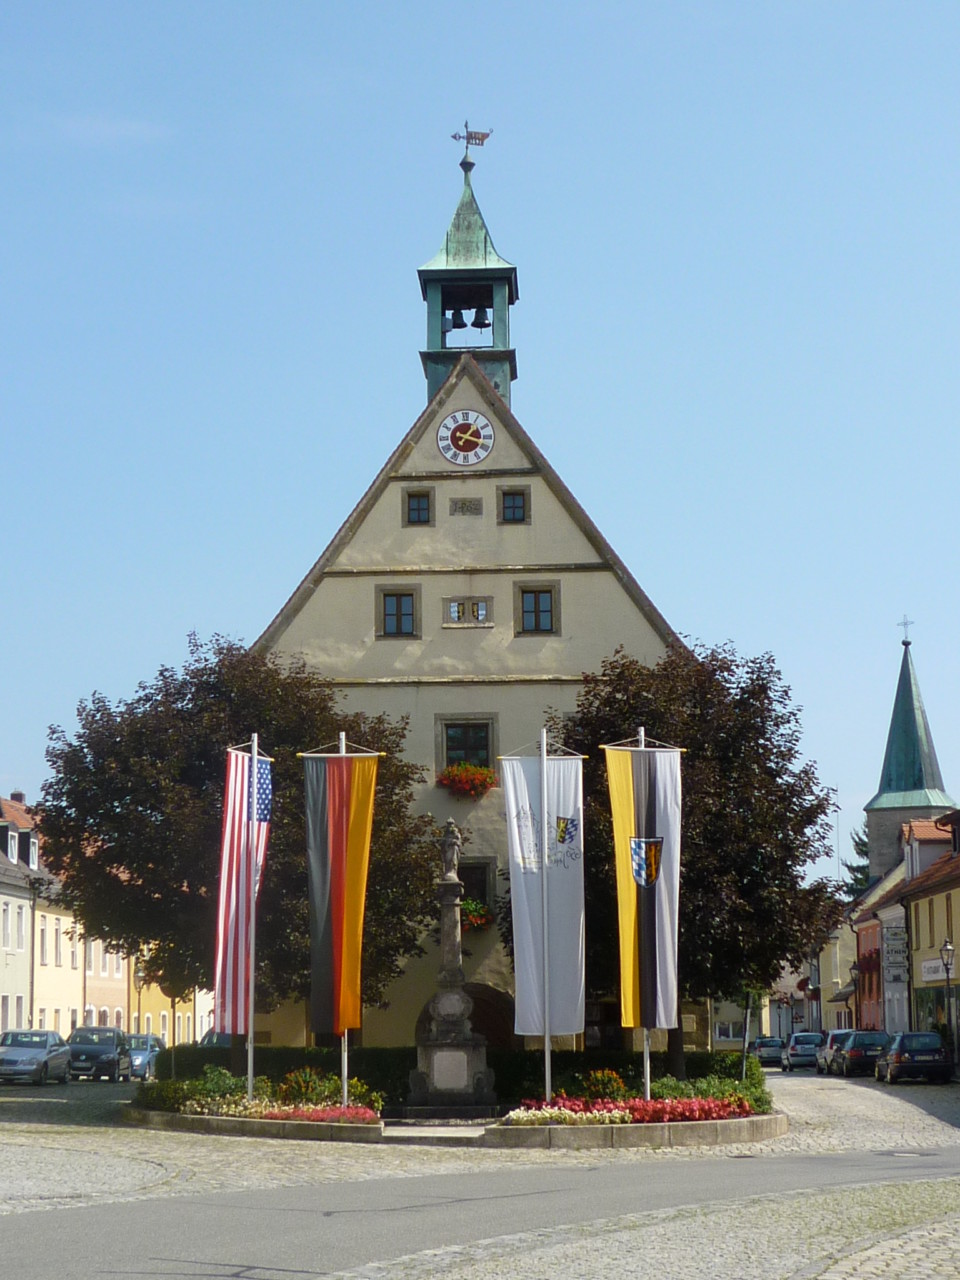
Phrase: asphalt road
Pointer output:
(348, 1210)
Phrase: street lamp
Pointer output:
(139, 982)
(855, 979)
(946, 956)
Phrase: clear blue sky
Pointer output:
(736, 232)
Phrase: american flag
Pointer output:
(232, 974)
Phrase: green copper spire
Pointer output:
(911, 777)
(469, 290)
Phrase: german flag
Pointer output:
(339, 800)
(645, 805)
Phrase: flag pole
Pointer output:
(252, 890)
(547, 1079)
(344, 1089)
(642, 739)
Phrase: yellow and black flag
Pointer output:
(645, 803)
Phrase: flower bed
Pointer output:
(564, 1110)
(302, 1095)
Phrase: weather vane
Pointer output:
(906, 624)
(471, 137)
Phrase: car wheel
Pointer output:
(846, 1071)
(783, 1068)
(148, 1071)
(892, 1076)
(114, 1074)
(42, 1077)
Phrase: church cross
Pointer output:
(906, 624)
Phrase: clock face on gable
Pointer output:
(465, 437)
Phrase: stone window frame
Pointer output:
(418, 491)
(527, 508)
(488, 865)
(442, 719)
(468, 623)
(392, 589)
(553, 586)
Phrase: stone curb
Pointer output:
(241, 1127)
(689, 1133)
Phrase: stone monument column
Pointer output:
(452, 1078)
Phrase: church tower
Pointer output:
(911, 784)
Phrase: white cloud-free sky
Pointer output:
(735, 226)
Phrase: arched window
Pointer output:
(163, 1026)
(104, 1019)
(148, 1022)
(118, 1019)
(189, 1027)
(89, 1016)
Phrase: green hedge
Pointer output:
(518, 1074)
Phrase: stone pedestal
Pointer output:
(452, 1078)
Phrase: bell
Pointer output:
(481, 320)
(458, 321)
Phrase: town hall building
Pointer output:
(468, 590)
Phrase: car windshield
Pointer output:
(139, 1042)
(808, 1037)
(92, 1036)
(921, 1040)
(769, 1042)
(871, 1038)
(24, 1039)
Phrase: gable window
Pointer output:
(537, 608)
(467, 611)
(513, 505)
(12, 845)
(417, 506)
(398, 613)
(34, 853)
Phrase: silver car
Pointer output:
(37, 1056)
(802, 1050)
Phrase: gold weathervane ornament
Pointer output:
(471, 137)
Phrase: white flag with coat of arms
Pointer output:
(565, 932)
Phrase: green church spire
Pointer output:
(911, 777)
(469, 290)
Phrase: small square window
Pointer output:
(417, 506)
(479, 880)
(467, 743)
(513, 505)
(398, 613)
(537, 609)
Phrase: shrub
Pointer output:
(603, 1084)
(307, 1087)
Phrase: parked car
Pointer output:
(37, 1056)
(99, 1051)
(827, 1051)
(216, 1040)
(859, 1052)
(143, 1055)
(801, 1051)
(767, 1050)
(913, 1054)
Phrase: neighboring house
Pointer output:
(18, 862)
(107, 986)
(468, 591)
(57, 963)
(931, 900)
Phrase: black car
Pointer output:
(99, 1051)
(911, 1055)
(859, 1052)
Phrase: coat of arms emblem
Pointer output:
(645, 856)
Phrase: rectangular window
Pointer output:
(88, 954)
(949, 897)
(118, 965)
(5, 925)
(398, 613)
(19, 1011)
(43, 939)
(468, 611)
(537, 608)
(57, 943)
(930, 930)
(21, 930)
(4, 1013)
(34, 853)
(916, 926)
(41, 1019)
(417, 506)
(73, 1019)
(12, 845)
(479, 879)
(467, 743)
(73, 950)
(104, 961)
(56, 1021)
(513, 505)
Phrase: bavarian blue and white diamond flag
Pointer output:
(565, 935)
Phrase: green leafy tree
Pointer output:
(131, 820)
(755, 816)
(858, 868)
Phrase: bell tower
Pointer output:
(469, 290)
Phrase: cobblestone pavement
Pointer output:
(860, 1233)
